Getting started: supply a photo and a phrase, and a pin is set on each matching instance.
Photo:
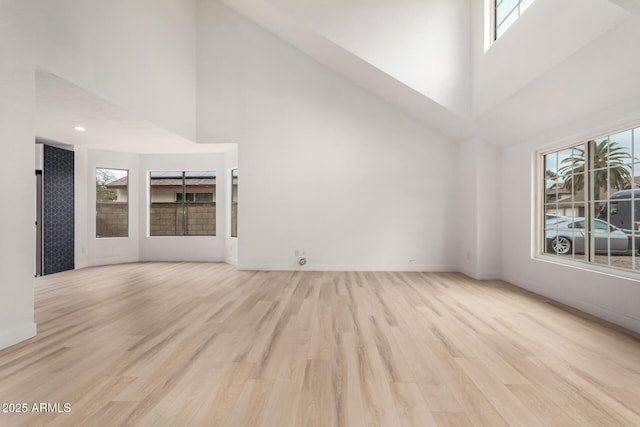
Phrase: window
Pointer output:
(505, 12)
(591, 201)
(195, 197)
(234, 202)
(112, 204)
(183, 203)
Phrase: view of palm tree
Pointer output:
(605, 153)
(588, 216)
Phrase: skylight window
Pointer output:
(505, 13)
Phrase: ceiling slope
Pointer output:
(602, 75)
(454, 125)
(555, 66)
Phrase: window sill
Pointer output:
(606, 270)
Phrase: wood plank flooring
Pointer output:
(190, 344)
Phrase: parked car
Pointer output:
(623, 206)
(567, 236)
(550, 219)
(623, 211)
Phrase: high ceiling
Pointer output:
(560, 63)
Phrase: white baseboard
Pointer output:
(110, 261)
(479, 276)
(17, 334)
(631, 323)
(321, 267)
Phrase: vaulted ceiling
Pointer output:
(560, 62)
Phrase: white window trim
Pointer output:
(538, 240)
(95, 210)
(490, 33)
(230, 200)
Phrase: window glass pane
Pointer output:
(612, 191)
(620, 177)
(182, 203)
(551, 165)
(600, 225)
(525, 4)
(504, 25)
(234, 203)
(550, 190)
(565, 238)
(203, 197)
(636, 144)
(635, 179)
(505, 13)
(112, 202)
(600, 153)
(200, 211)
(621, 147)
(165, 217)
(505, 8)
(571, 166)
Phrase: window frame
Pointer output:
(195, 197)
(493, 17)
(128, 226)
(539, 247)
(182, 175)
(231, 176)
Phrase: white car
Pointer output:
(551, 219)
(567, 236)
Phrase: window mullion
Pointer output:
(591, 203)
(633, 202)
(184, 207)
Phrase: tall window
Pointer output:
(112, 202)
(505, 12)
(183, 203)
(592, 201)
(234, 202)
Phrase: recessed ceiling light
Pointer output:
(79, 128)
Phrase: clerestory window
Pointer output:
(505, 13)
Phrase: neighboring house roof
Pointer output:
(122, 182)
(564, 197)
(167, 182)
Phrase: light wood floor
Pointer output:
(191, 344)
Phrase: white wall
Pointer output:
(466, 208)
(231, 243)
(545, 35)
(139, 54)
(604, 295)
(177, 248)
(91, 250)
(423, 44)
(479, 210)
(326, 168)
(17, 233)
(138, 246)
(560, 86)
(490, 210)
